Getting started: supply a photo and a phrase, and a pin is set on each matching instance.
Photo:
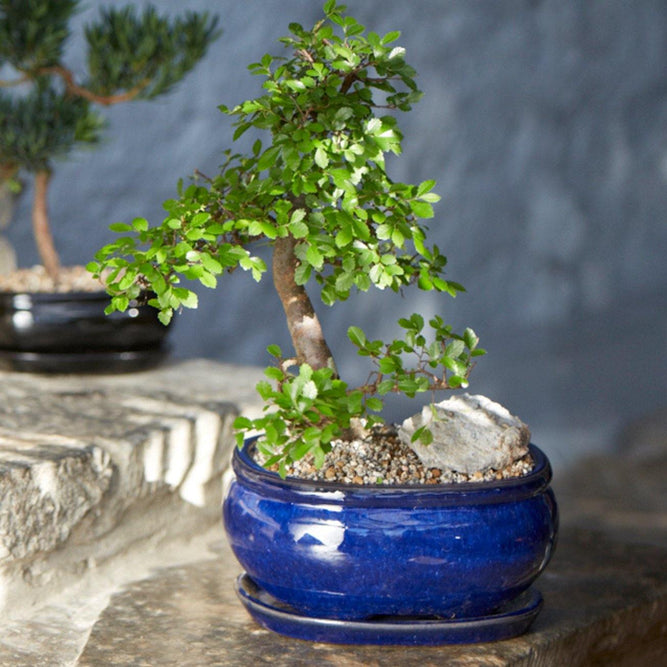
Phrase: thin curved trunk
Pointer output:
(41, 228)
(302, 322)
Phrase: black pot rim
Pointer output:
(48, 297)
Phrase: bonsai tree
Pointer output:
(129, 57)
(319, 193)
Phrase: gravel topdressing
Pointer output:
(35, 279)
(381, 458)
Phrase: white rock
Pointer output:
(470, 433)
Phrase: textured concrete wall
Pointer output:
(545, 125)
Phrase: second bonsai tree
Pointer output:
(50, 112)
(320, 194)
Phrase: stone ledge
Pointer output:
(92, 465)
(605, 604)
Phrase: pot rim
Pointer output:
(495, 491)
(30, 297)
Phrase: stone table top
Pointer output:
(605, 595)
(604, 602)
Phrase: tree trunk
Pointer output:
(41, 228)
(302, 322)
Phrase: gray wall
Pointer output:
(545, 125)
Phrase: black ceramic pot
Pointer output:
(69, 333)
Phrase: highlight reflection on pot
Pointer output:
(22, 319)
(322, 538)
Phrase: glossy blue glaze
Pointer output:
(354, 552)
(509, 621)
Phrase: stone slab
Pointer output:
(605, 603)
(623, 495)
(605, 595)
(91, 465)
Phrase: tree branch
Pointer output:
(105, 100)
(14, 82)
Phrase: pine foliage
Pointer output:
(44, 112)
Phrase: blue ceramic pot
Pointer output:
(335, 551)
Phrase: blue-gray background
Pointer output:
(545, 125)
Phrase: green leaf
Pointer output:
(374, 404)
(385, 387)
(242, 422)
(421, 209)
(388, 365)
(210, 263)
(268, 158)
(455, 349)
(345, 282)
(471, 339)
(187, 298)
(456, 381)
(344, 237)
(355, 403)
(208, 280)
(397, 238)
(264, 389)
(425, 186)
(275, 351)
(165, 316)
(298, 230)
(357, 336)
(314, 257)
(297, 227)
(309, 390)
(321, 158)
(298, 215)
(120, 227)
(274, 373)
(390, 37)
(423, 435)
(302, 273)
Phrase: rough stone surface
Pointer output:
(84, 456)
(620, 495)
(470, 434)
(603, 601)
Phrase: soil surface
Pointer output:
(381, 458)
